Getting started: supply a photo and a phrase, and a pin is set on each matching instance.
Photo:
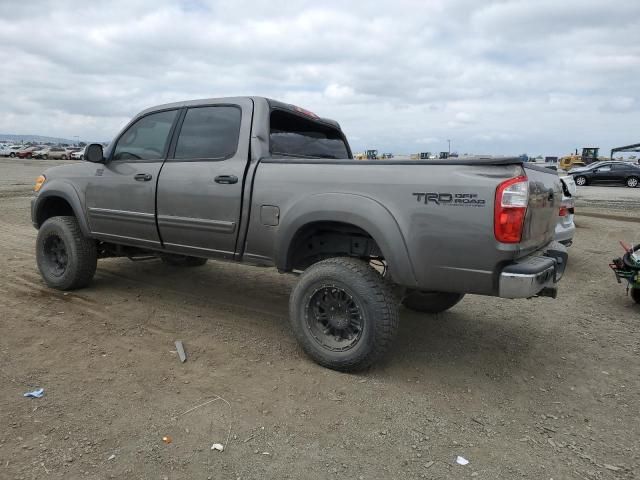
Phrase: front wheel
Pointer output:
(64, 157)
(343, 314)
(66, 259)
(45, 157)
(12, 155)
(581, 181)
(183, 261)
(431, 302)
(632, 182)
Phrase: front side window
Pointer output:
(293, 136)
(147, 138)
(209, 132)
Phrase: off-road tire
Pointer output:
(635, 294)
(81, 254)
(377, 308)
(584, 180)
(431, 302)
(183, 261)
(631, 182)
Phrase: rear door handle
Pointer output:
(143, 177)
(226, 179)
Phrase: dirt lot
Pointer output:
(534, 389)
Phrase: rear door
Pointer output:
(201, 184)
(619, 172)
(121, 194)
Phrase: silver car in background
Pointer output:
(566, 228)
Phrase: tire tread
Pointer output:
(386, 326)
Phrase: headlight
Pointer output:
(39, 182)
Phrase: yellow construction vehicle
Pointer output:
(368, 155)
(589, 155)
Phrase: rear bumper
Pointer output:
(565, 231)
(534, 275)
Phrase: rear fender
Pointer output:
(358, 210)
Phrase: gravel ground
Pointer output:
(534, 389)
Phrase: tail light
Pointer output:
(563, 211)
(512, 197)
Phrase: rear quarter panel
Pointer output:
(449, 237)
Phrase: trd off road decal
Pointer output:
(453, 199)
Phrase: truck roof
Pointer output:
(272, 104)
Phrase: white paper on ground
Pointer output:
(461, 460)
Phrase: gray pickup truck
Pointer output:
(262, 182)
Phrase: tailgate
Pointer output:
(545, 197)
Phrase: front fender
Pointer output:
(60, 189)
(358, 210)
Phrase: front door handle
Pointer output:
(143, 177)
(226, 179)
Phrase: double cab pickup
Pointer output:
(258, 181)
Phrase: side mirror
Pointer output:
(94, 153)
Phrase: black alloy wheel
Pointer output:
(334, 318)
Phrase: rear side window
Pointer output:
(209, 132)
(147, 138)
(294, 136)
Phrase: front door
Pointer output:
(121, 194)
(604, 174)
(201, 184)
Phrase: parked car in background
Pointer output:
(27, 152)
(604, 172)
(56, 153)
(565, 227)
(5, 150)
(40, 152)
(13, 150)
(77, 155)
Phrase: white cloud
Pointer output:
(498, 76)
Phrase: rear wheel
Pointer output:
(581, 181)
(12, 155)
(343, 314)
(431, 302)
(66, 258)
(64, 157)
(632, 182)
(183, 260)
(45, 156)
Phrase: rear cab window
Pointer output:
(293, 135)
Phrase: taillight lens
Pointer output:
(563, 211)
(512, 198)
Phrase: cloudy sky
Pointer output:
(536, 76)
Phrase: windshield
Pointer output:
(293, 136)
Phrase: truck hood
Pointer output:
(73, 170)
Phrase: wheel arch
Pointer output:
(56, 200)
(631, 175)
(363, 215)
